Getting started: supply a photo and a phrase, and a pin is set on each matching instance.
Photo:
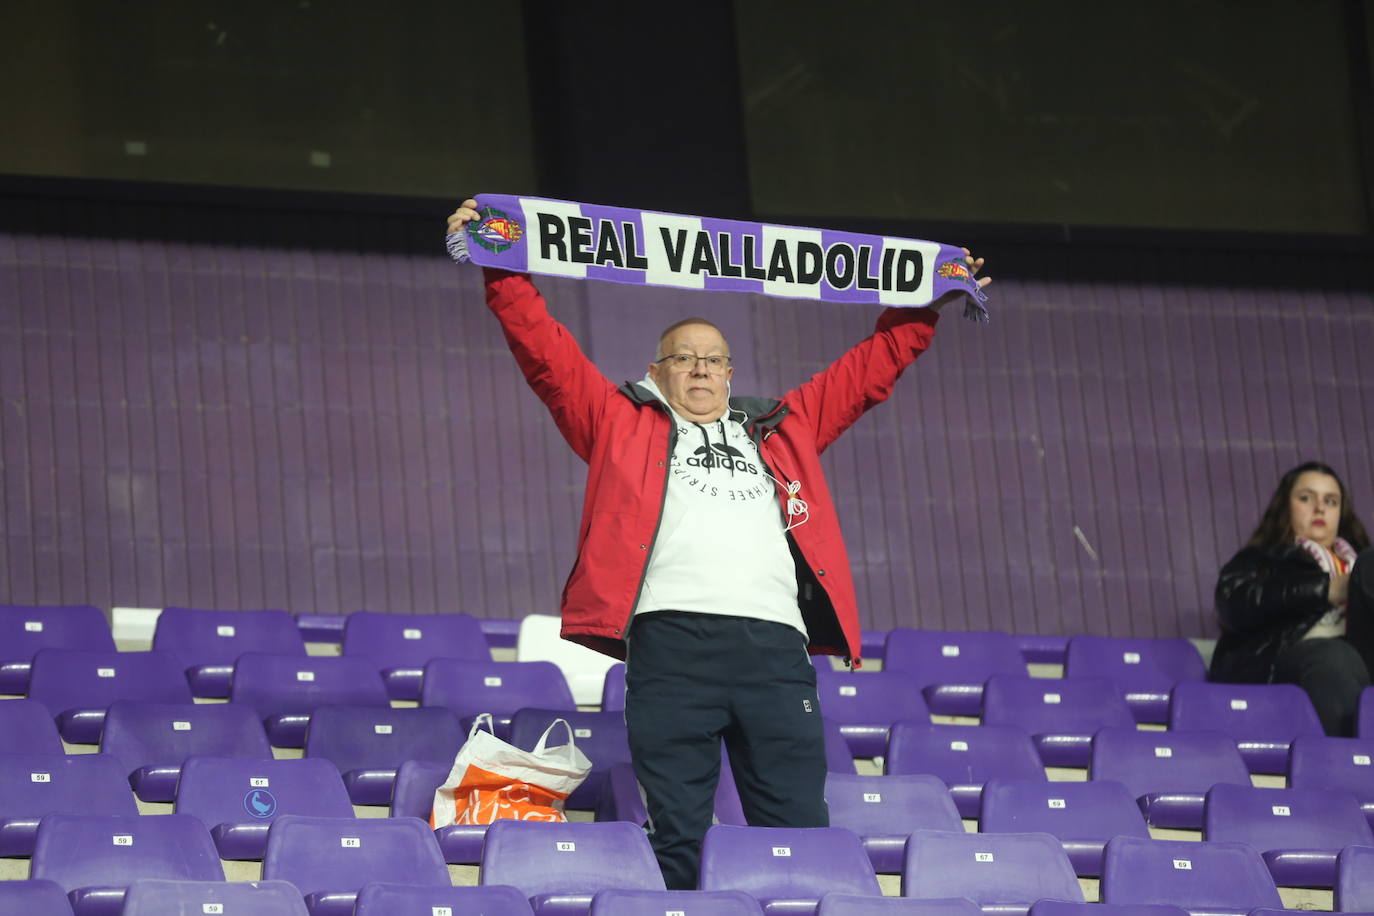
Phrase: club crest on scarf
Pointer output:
(496, 231)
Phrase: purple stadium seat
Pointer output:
(866, 705)
(1064, 908)
(326, 628)
(207, 643)
(367, 744)
(1083, 816)
(400, 645)
(1144, 670)
(951, 666)
(620, 799)
(500, 633)
(470, 688)
(884, 810)
(1060, 714)
(963, 756)
(1042, 648)
(377, 899)
(1320, 762)
(613, 689)
(155, 897)
(95, 857)
(1003, 873)
(786, 869)
(1168, 772)
(1263, 719)
(1298, 831)
(35, 785)
(559, 867)
(873, 644)
(413, 796)
(26, 727)
(1225, 879)
(329, 859)
(1364, 721)
(599, 735)
(687, 903)
(25, 629)
(152, 739)
(1355, 880)
(238, 799)
(77, 686)
(286, 689)
(851, 905)
(22, 898)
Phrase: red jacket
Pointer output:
(625, 436)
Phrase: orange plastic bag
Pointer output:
(493, 780)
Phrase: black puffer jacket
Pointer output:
(1266, 601)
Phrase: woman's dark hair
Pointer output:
(1276, 527)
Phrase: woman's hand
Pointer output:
(466, 213)
(1338, 592)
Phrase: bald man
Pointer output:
(709, 555)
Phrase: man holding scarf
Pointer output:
(709, 553)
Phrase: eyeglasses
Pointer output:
(682, 362)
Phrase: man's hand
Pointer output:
(974, 264)
(466, 213)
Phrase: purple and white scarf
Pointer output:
(1339, 559)
(587, 241)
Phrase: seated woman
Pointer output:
(1296, 604)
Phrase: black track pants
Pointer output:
(693, 679)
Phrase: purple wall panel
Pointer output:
(200, 422)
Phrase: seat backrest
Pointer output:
(365, 737)
(962, 754)
(143, 734)
(540, 857)
(26, 727)
(613, 688)
(1285, 818)
(871, 805)
(852, 905)
(991, 869)
(1279, 712)
(1069, 811)
(340, 855)
(1135, 663)
(540, 639)
(46, 897)
(1321, 762)
(224, 790)
(34, 785)
(602, 736)
(25, 629)
(1364, 719)
(65, 679)
(473, 687)
(411, 640)
(157, 897)
(951, 656)
(202, 637)
(774, 863)
(1064, 908)
(85, 850)
(1196, 876)
(1355, 880)
(1147, 762)
(378, 899)
(1058, 706)
(616, 902)
(295, 685)
(413, 792)
(880, 697)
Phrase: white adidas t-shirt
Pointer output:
(720, 547)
